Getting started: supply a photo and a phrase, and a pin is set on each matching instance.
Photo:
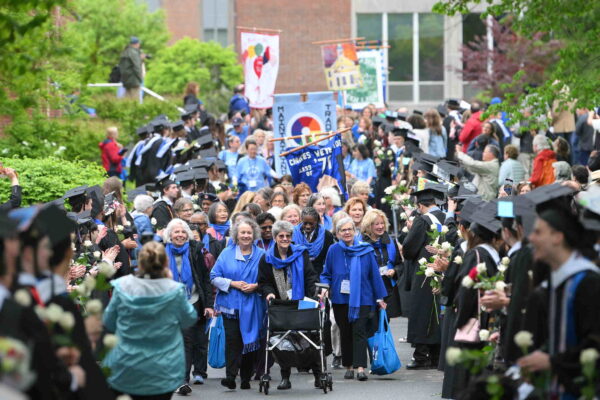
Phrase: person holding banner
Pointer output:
(253, 172)
(362, 167)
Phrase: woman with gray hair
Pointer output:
(186, 264)
(543, 172)
(184, 208)
(355, 288)
(285, 272)
(141, 216)
(235, 275)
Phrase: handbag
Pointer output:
(469, 332)
(385, 359)
(216, 345)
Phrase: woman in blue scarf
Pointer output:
(235, 275)
(374, 228)
(355, 288)
(312, 235)
(218, 219)
(285, 272)
(317, 201)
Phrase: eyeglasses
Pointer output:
(284, 236)
(266, 227)
(347, 230)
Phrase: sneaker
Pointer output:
(184, 390)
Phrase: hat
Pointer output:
(377, 120)
(444, 170)
(548, 196)
(221, 165)
(164, 180)
(442, 110)
(199, 163)
(453, 102)
(200, 174)
(23, 217)
(485, 217)
(424, 162)
(418, 112)
(470, 206)
(186, 177)
(54, 223)
(143, 130)
(590, 201)
(177, 125)
(132, 194)
(208, 197)
(391, 115)
(208, 153)
(97, 196)
(431, 192)
(78, 191)
(237, 121)
(204, 141)
(75, 196)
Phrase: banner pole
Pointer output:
(311, 143)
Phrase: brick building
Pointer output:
(424, 47)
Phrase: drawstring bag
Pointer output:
(216, 346)
(385, 359)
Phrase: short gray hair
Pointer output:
(142, 202)
(314, 198)
(541, 142)
(172, 224)
(333, 194)
(182, 202)
(494, 150)
(342, 222)
(235, 229)
(282, 226)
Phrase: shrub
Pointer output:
(47, 179)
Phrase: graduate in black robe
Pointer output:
(163, 207)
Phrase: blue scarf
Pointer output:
(186, 269)
(296, 261)
(314, 248)
(206, 241)
(327, 222)
(164, 147)
(249, 307)
(221, 229)
(353, 254)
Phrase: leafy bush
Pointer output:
(47, 179)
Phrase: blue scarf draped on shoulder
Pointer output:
(314, 248)
(353, 254)
(296, 262)
(185, 276)
(248, 307)
(221, 229)
(327, 222)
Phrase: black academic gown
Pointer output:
(151, 164)
(423, 324)
(111, 239)
(163, 213)
(14, 200)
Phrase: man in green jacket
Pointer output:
(485, 171)
(130, 65)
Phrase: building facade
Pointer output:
(424, 48)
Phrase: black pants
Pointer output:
(427, 352)
(235, 360)
(164, 396)
(195, 341)
(353, 336)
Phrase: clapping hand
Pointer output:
(111, 253)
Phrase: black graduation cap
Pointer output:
(391, 115)
(199, 163)
(431, 191)
(204, 141)
(549, 195)
(208, 153)
(208, 197)
(221, 165)
(453, 191)
(425, 162)
(177, 126)
(163, 180)
(189, 111)
(470, 206)
(200, 174)
(78, 191)
(143, 130)
(182, 168)
(97, 196)
(83, 217)
(445, 170)
(60, 203)
(132, 194)
(377, 120)
(402, 116)
(590, 201)
(159, 123)
(400, 132)
(411, 143)
(185, 177)
(54, 222)
(485, 216)
(418, 112)
(441, 109)
(453, 102)
(8, 226)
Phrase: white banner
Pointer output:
(372, 71)
(260, 56)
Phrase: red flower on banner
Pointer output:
(258, 65)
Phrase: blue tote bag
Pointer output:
(385, 359)
(216, 346)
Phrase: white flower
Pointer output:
(467, 282)
(89, 282)
(411, 219)
(88, 243)
(422, 261)
(383, 200)
(379, 152)
(81, 290)
(127, 223)
(446, 246)
(484, 335)
(458, 260)
(119, 228)
(153, 221)
(404, 216)
(530, 274)
(97, 254)
(196, 207)
(195, 197)
(453, 355)
(403, 182)
(23, 298)
(524, 339)
(389, 189)
(94, 306)
(505, 261)
(444, 229)
(25, 143)
(377, 143)
(124, 397)
(67, 321)
(5, 151)
(405, 229)
(54, 312)
(500, 285)
(502, 268)
(429, 272)
(481, 268)
(110, 340)
(41, 312)
(106, 269)
(588, 356)
(433, 227)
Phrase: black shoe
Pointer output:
(349, 374)
(419, 365)
(229, 383)
(318, 382)
(184, 390)
(245, 385)
(361, 376)
(337, 362)
(284, 385)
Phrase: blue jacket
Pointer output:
(147, 315)
(238, 103)
(438, 144)
(143, 224)
(337, 268)
(253, 173)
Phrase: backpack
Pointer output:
(115, 75)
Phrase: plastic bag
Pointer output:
(216, 346)
(385, 359)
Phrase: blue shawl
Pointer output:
(353, 254)
(186, 269)
(296, 261)
(314, 248)
(249, 307)
(221, 229)
(206, 241)
(327, 222)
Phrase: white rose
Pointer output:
(54, 312)
(433, 227)
(411, 219)
(106, 269)
(444, 229)
(195, 197)
(453, 355)
(467, 282)
(481, 268)
(422, 261)
(446, 246)
(405, 229)
(97, 254)
(67, 321)
(196, 207)
(458, 260)
(404, 216)
(41, 312)
(23, 297)
(127, 223)
(524, 339)
(153, 221)
(500, 285)
(89, 282)
(505, 261)
(588, 356)
(383, 200)
(502, 268)
(110, 340)
(124, 397)
(377, 143)
(94, 306)
(88, 243)
(403, 183)
(429, 272)
(119, 228)
(81, 290)
(389, 189)
(484, 335)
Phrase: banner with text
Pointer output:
(342, 71)
(260, 58)
(373, 75)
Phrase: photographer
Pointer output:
(14, 200)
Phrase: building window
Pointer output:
(473, 27)
(215, 21)
(369, 26)
(400, 54)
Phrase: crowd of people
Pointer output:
(485, 236)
